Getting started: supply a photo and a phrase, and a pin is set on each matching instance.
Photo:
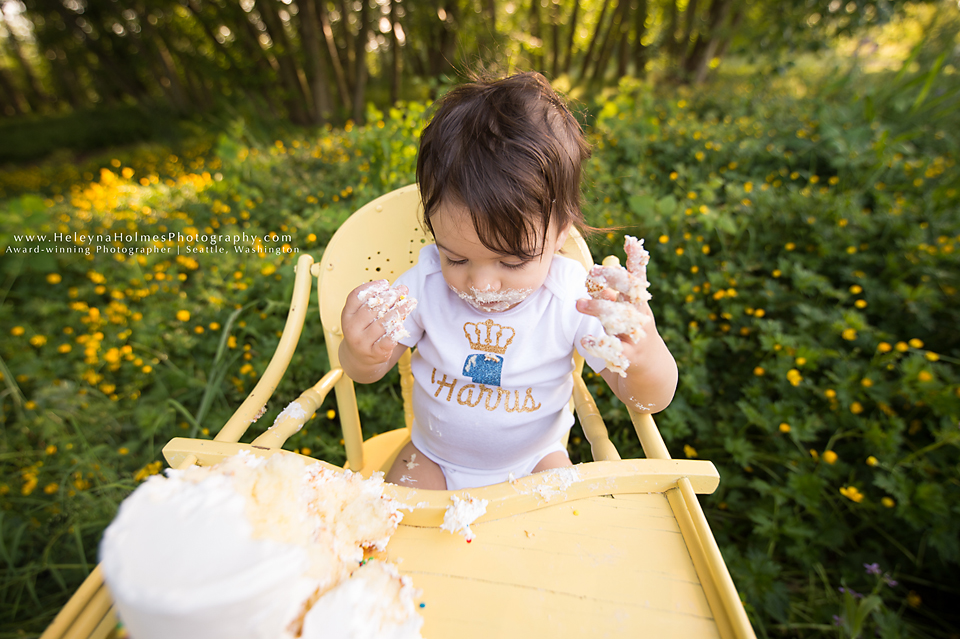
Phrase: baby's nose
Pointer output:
(484, 280)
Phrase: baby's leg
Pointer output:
(556, 459)
(414, 470)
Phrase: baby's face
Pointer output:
(489, 281)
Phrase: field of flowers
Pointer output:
(805, 267)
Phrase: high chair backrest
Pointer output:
(380, 241)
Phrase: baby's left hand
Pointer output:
(620, 303)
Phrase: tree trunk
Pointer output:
(394, 53)
(554, 38)
(36, 97)
(441, 56)
(492, 17)
(568, 58)
(14, 98)
(668, 38)
(536, 34)
(116, 53)
(349, 48)
(623, 57)
(249, 38)
(609, 42)
(719, 40)
(334, 53)
(172, 87)
(66, 79)
(360, 70)
(310, 39)
(640, 29)
(683, 47)
(296, 98)
(588, 56)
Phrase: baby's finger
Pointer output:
(392, 325)
(362, 294)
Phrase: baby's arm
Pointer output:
(651, 379)
(372, 321)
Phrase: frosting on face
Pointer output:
(490, 301)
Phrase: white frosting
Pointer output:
(243, 549)
(490, 301)
(556, 481)
(382, 299)
(621, 316)
(461, 514)
(293, 411)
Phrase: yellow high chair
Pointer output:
(622, 551)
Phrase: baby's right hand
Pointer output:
(372, 321)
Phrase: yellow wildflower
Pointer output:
(331, 414)
(931, 356)
(689, 451)
(38, 340)
(794, 377)
(902, 347)
(884, 347)
(758, 371)
(830, 457)
(916, 343)
(54, 278)
(856, 408)
(872, 461)
(183, 315)
(849, 334)
(17, 331)
(784, 427)
(925, 376)
(889, 503)
(851, 493)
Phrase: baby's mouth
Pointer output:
(493, 301)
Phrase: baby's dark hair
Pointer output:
(509, 151)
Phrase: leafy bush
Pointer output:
(805, 271)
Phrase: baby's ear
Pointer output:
(562, 236)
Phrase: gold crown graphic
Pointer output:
(488, 336)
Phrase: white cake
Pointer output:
(248, 548)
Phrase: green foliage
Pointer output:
(805, 276)
(805, 268)
(28, 138)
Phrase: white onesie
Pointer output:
(491, 389)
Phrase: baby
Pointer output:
(495, 314)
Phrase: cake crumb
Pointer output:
(461, 514)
